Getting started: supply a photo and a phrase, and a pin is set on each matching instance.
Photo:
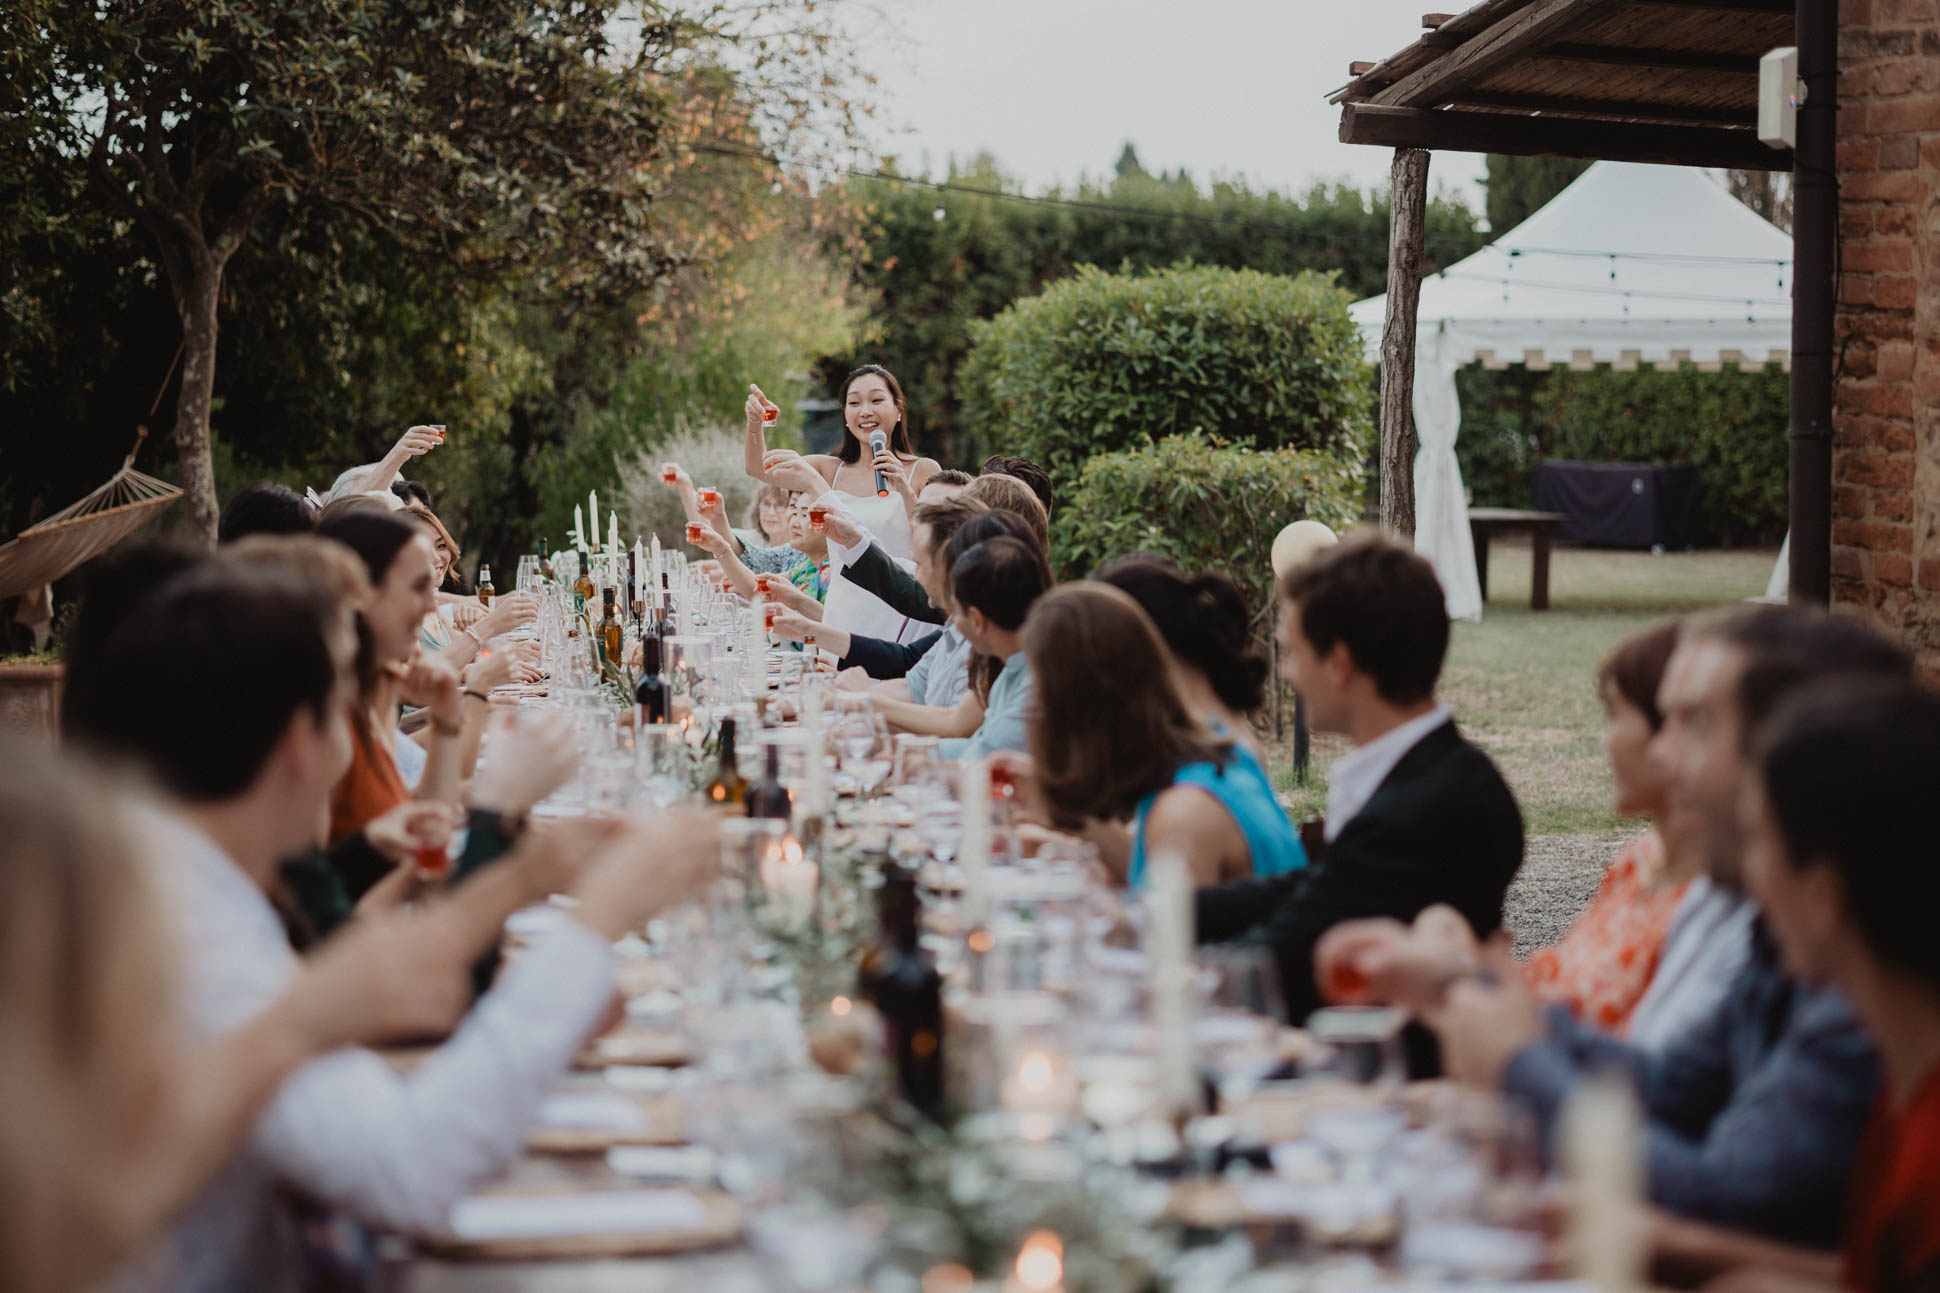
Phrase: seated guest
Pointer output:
(1025, 470)
(1607, 963)
(1117, 753)
(1755, 1109)
(1839, 849)
(117, 1118)
(375, 478)
(265, 508)
(1208, 638)
(397, 558)
(993, 586)
(1415, 814)
(968, 715)
(456, 641)
(931, 670)
(808, 576)
(344, 1131)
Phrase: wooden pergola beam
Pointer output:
(1683, 60)
(1622, 109)
(1496, 132)
(1519, 32)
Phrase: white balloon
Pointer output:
(1298, 544)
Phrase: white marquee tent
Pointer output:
(1631, 265)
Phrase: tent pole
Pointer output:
(1407, 218)
(1815, 215)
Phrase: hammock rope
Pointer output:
(88, 527)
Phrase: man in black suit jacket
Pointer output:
(1415, 814)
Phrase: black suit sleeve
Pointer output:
(880, 659)
(1445, 831)
(875, 572)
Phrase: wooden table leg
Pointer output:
(1539, 573)
(1480, 537)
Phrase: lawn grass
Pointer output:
(1521, 683)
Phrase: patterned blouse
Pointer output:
(1602, 965)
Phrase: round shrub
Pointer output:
(1205, 505)
(1101, 362)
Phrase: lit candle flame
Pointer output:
(841, 1006)
(1034, 1074)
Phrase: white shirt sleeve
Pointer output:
(398, 1150)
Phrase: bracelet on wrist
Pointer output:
(472, 694)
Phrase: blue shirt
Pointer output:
(943, 674)
(1242, 789)
(1753, 1114)
(1005, 715)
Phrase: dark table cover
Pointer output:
(1620, 504)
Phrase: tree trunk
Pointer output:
(202, 288)
(1407, 213)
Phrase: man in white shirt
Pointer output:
(273, 659)
(1415, 814)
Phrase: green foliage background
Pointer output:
(1730, 425)
(1101, 362)
(1207, 505)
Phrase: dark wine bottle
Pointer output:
(612, 631)
(897, 977)
(770, 798)
(652, 695)
(728, 786)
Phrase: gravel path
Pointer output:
(1560, 874)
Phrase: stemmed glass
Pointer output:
(1241, 1012)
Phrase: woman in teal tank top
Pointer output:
(1117, 754)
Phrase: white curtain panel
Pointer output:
(1441, 507)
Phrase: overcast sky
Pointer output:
(1223, 88)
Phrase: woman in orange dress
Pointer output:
(1601, 967)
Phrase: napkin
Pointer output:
(591, 1111)
(527, 1216)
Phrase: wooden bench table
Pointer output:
(1486, 522)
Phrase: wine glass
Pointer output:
(1241, 1012)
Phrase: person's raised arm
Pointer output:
(415, 443)
(435, 686)
(798, 628)
(723, 547)
(757, 443)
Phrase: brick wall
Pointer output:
(1886, 400)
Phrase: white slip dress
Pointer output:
(850, 607)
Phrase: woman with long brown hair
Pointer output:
(1116, 753)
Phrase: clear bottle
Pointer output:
(485, 589)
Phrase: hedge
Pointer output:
(1730, 425)
(1102, 362)
(1205, 505)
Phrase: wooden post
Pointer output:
(1407, 213)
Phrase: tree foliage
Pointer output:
(936, 262)
(1518, 187)
(1101, 362)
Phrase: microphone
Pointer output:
(877, 443)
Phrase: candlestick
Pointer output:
(579, 531)
(612, 534)
(1600, 1155)
(815, 771)
(1040, 1264)
(973, 850)
(593, 518)
(757, 647)
(1168, 927)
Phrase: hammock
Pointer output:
(84, 530)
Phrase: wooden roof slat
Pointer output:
(1459, 130)
(1622, 56)
(1404, 61)
(1434, 20)
(1623, 109)
(1518, 32)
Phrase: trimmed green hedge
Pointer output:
(1101, 362)
(1730, 425)
(1205, 505)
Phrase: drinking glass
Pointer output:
(1236, 1031)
